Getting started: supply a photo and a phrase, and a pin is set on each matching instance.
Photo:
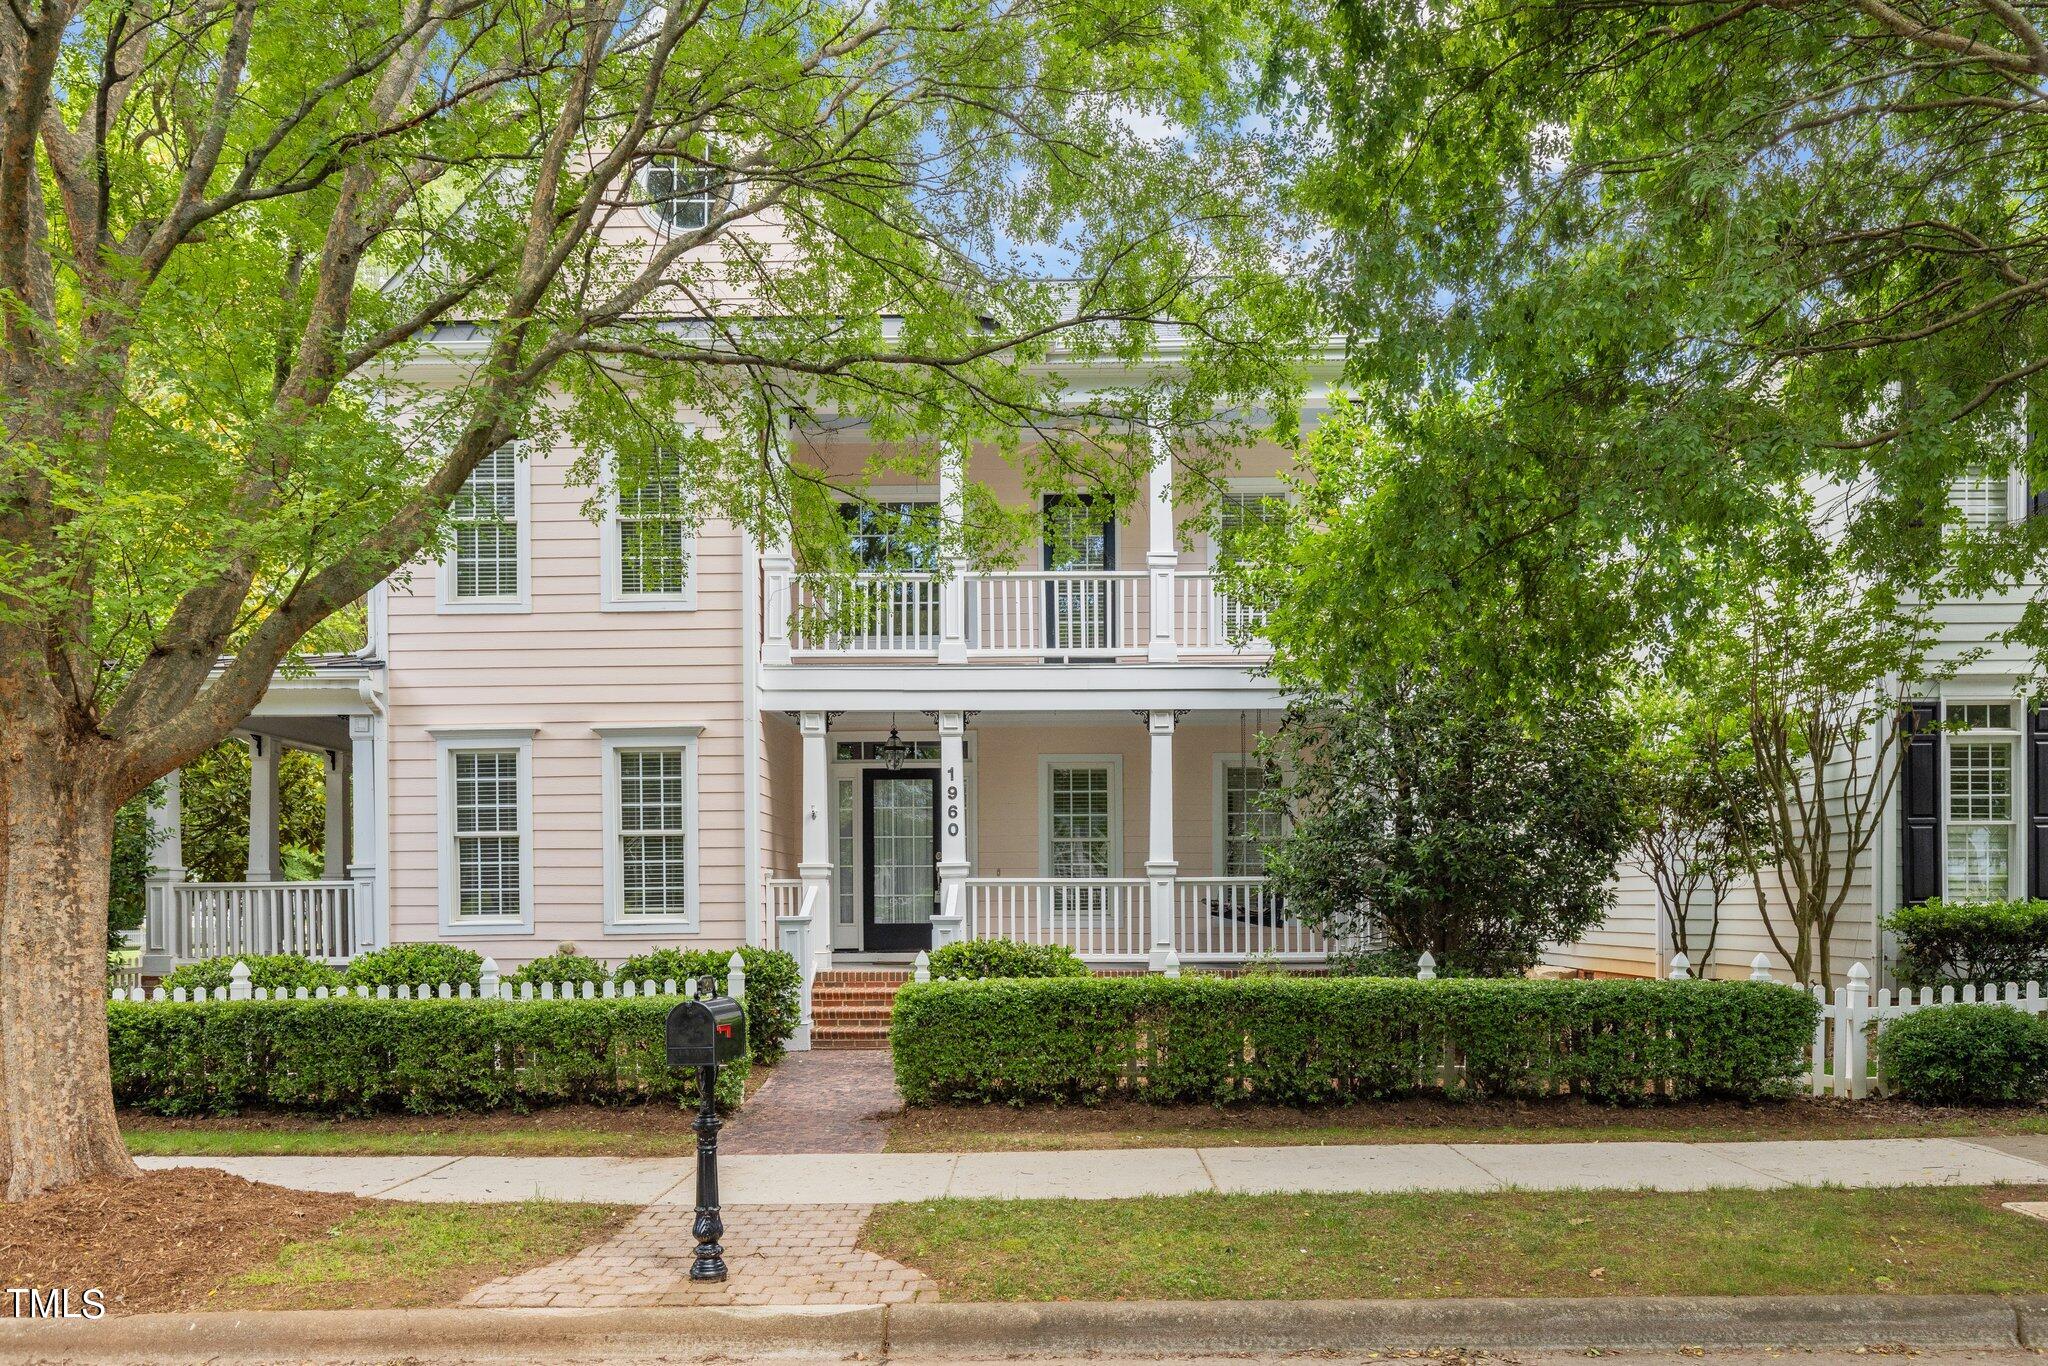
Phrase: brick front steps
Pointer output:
(850, 1006)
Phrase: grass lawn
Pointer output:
(1913, 1241)
(408, 1255)
(1129, 1124)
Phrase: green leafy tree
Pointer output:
(1428, 812)
(227, 231)
(1623, 271)
(1698, 808)
(214, 808)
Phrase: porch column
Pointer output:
(950, 924)
(815, 865)
(778, 568)
(334, 846)
(952, 587)
(1160, 867)
(1161, 559)
(265, 863)
(166, 861)
(370, 930)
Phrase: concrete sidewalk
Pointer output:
(876, 1178)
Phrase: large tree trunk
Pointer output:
(56, 825)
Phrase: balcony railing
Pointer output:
(1006, 616)
(1098, 918)
(1230, 918)
(184, 921)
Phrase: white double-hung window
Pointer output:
(1983, 497)
(648, 548)
(652, 843)
(1242, 510)
(486, 565)
(1082, 802)
(486, 830)
(1981, 812)
(1249, 824)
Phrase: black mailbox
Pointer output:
(706, 1033)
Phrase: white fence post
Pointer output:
(735, 976)
(1853, 1045)
(1425, 967)
(487, 985)
(1681, 968)
(1171, 967)
(1760, 969)
(238, 981)
(921, 967)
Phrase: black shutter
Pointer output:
(2037, 499)
(1920, 805)
(2037, 799)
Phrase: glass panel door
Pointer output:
(1081, 542)
(902, 857)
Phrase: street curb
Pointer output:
(950, 1331)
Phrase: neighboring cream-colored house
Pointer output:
(1967, 819)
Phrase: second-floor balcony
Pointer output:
(1010, 616)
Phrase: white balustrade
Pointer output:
(1207, 620)
(864, 614)
(1102, 919)
(1056, 612)
(193, 920)
(1226, 918)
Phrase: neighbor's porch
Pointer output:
(1134, 839)
(336, 714)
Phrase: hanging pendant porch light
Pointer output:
(894, 750)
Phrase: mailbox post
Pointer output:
(706, 1034)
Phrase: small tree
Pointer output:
(1427, 811)
(1699, 813)
(1815, 658)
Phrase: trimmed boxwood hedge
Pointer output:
(347, 1055)
(1966, 1055)
(271, 970)
(1310, 1041)
(977, 958)
(774, 997)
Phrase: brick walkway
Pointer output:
(819, 1102)
(774, 1254)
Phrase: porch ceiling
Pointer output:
(309, 732)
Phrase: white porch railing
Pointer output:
(1209, 621)
(1228, 918)
(1056, 613)
(185, 921)
(1099, 918)
(1008, 615)
(864, 614)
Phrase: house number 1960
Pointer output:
(952, 802)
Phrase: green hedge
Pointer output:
(1309, 1041)
(979, 958)
(566, 964)
(354, 1056)
(1942, 942)
(416, 965)
(774, 998)
(287, 970)
(1966, 1055)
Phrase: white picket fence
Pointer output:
(491, 987)
(1844, 1060)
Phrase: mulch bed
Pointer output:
(622, 1119)
(164, 1242)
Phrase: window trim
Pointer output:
(522, 521)
(1115, 764)
(1219, 822)
(613, 597)
(449, 742)
(2016, 496)
(1265, 486)
(647, 205)
(2014, 824)
(613, 740)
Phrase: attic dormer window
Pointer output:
(675, 194)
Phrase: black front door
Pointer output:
(902, 857)
(1080, 612)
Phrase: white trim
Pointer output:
(643, 729)
(616, 740)
(612, 597)
(2017, 797)
(753, 743)
(448, 742)
(522, 518)
(1115, 764)
(850, 769)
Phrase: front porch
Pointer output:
(335, 713)
(1135, 840)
